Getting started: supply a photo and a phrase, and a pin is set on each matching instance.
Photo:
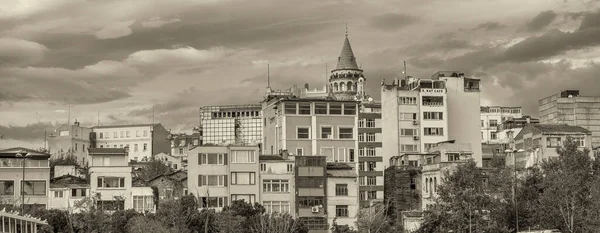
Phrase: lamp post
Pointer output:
(22, 154)
(512, 153)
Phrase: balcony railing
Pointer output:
(17, 163)
(433, 103)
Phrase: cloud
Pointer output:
(541, 21)
(391, 21)
(28, 132)
(17, 52)
(157, 22)
(115, 30)
(489, 26)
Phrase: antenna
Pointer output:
(346, 29)
(268, 75)
(69, 116)
(98, 118)
(404, 69)
(326, 78)
(152, 114)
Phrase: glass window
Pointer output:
(327, 132)
(580, 141)
(349, 109)
(276, 186)
(7, 187)
(145, 133)
(240, 156)
(434, 131)
(371, 180)
(304, 108)
(407, 100)
(127, 134)
(213, 202)
(320, 108)
(143, 204)
(290, 108)
(242, 178)
(370, 123)
(408, 132)
(290, 168)
(263, 167)
(303, 133)
(341, 189)
(212, 180)
(277, 207)
(493, 123)
(335, 109)
(370, 137)
(111, 182)
(433, 115)
(553, 141)
(408, 148)
(341, 211)
(37, 187)
(346, 133)
(145, 146)
(58, 194)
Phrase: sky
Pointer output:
(129, 61)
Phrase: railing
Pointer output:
(433, 103)
(472, 89)
(17, 163)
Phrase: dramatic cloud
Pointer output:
(157, 22)
(541, 21)
(28, 132)
(17, 52)
(115, 30)
(490, 26)
(391, 21)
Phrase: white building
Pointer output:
(66, 192)
(110, 176)
(342, 195)
(141, 141)
(492, 117)
(277, 182)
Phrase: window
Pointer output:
(434, 131)
(553, 141)
(433, 100)
(341, 189)
(350, 154)
(326, 132)
(111, 182)
(341, 211)
(242, 156)
(31, 187)
(345, 133)
(361, 123)
(216, 159)
(248, 198)
(143, 204)
(122, 134)
(276, 186)
(195, 141)
(370, 137)
(407, 100)
(7, 187)
(580, 141)
(290, 168)
(138, 133)
(242, 178)
(115, 134)
(369, 151)
(277, 207)
(428, 146)
(371, 180)
(127, 134)
(370, 123)
(213, 202)
(300, 151)
(408, 116)
(371, 166)
(372, 195)
(362, 196)
(111, 205)
(145, 133)
(58, 194)
(63, 133)
(290, 108)
(408, 132)
(493, 136)
(263, 167)
(361, 137)
(408, 148)
(493, 123)
(482, 124)
(212, 180)
(101, 135)
(361, 166)
(304, 108)
(453, 157)
(180, 151)
(335, 109)
(75, 146)
(145, 146)
(303, 133)
(433, 115)
(349, 109)
(320, 108)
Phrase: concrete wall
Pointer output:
(145, 137)
(110, 193)
(351, 201)
(67, 201)
(31, 174)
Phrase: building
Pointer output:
(231, 124)
(25, 170)
(15, 223)
(509, 128)
(569, 107)
(219, 175)
(310, 174)
(277, 182)
(70, 139)
(442, 158)
(492, 117)
(342, 194)
(175, 162)
(418, 113)
(539, 142)
(182, 143)
(142, 197)
(141, 141)
(403, 184)
(170, 186)
(347, 81)
(110, 178)
(370, 165)
(66, 191)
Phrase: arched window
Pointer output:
(342, 87)
(335, 87)
(349, 86)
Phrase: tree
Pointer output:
(63, 159)
(373, 219)
(153, 168)
(335, 228)
(275, 223)
(246, 210)
(141, 224)
(120, 218)
(229, 222)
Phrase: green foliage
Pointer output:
(229, 222)
(335, 228)
(153, 168)
(142, 224)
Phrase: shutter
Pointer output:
(225, 180)
(225, 159)
(200, 180)
(199, 158)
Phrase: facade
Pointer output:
(539, 142)
(175, 162)
(277, 182)
(219, 175)
(141, 141)
(231, 124)
(110, 178)
(66, 191)
(492, 117)
(170, 186)
(403, 184)
(342, 195)
(422, 112)
(182, 143)
(568, 107)
(507, 131)
(370, 164)
(30, 174)
(442, 158)
(310, 174)
(73, 139)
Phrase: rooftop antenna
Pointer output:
(268, 75)
(405, 70)
(152, 114)
(98, 118)
(326, 79)
(69, 116)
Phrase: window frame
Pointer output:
(307, 133)
(330, 132)
(340, 133)
(341, 189)
(251, 177)
(341, 211)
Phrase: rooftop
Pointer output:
(106, 151)
(269, 157)
(34, 154)
(559, 128)
(346, 60)
(68, 181)
(124, 126)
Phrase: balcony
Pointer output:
(433, 101)
(433, 90)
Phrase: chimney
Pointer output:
(284, 154)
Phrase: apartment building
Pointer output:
(231, 124)
(509, 128)
(311, 192)
(403, 183)
(492, 117)
(218, 175)
(342, 194)
(442, 158)
(70, 139)
(140, 141)
(25, 170)
(110, 177)
(571, 108)
(539, 142)
(422, 112)
(182, 143)
(370, 160)
(277, 182)
(66, 191)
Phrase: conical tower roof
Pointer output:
(346, 59)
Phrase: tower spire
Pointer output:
(346, 29)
